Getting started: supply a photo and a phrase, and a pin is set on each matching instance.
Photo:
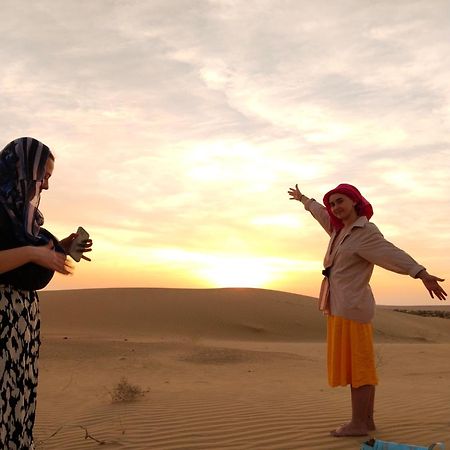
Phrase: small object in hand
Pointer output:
(77, 246)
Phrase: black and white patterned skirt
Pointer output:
(19, 351)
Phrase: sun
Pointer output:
(237, 272)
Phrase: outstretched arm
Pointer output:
(317, 210)
(432, 285)
(295, 194)
(383, 253)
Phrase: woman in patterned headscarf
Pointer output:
(356, 245)
(29, 256)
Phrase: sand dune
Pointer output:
(224, 369)
(230, 314)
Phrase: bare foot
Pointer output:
(350, 429)
(370, 426)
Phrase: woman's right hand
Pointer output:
(295, 193)
(46, 256)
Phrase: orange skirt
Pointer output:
(351, 356)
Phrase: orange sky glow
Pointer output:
(178, 131)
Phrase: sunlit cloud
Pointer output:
(285, 221)
(178, 127)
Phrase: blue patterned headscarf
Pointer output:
(22, 172)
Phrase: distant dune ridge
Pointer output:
(230, 313)
(224, 369)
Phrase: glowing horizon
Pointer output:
(178, 131)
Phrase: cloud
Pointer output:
(181, 124)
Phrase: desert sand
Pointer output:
(224, 369)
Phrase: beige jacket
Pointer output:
(351, 261)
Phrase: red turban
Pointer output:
(363, 207)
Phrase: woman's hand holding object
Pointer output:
(47, 257)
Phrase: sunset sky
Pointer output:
(178, 127)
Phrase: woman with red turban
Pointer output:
(355, 246)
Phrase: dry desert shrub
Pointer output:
(124, 391)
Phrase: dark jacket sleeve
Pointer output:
(30, 276)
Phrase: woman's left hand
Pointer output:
(67, 242)
(432, 285)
